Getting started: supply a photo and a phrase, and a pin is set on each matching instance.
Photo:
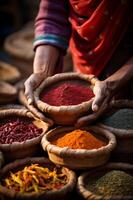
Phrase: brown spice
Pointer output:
(79, 139)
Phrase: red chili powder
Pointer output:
(18, 131)
(67, 94)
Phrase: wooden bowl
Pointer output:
(64, 115)
(60, 194)
(18, 150)
(80, 158)
(8, 93)
(9, 73)
(83, 179)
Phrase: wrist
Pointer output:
(45, 60)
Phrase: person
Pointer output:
(94, 30)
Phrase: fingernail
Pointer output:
(29, 101)
(95, 108)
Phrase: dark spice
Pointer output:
(67, 94)
(35, 178)
(113, 183)
(122, 119)
(18, 130)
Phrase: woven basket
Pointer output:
(1, 159)
(80, 158)
(8, 93)
(60, 194)
(30, 147)
(9, 73)
(124, 136)
(64, 115)
(19, 44)
(83, 179)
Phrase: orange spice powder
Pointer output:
(79, 139)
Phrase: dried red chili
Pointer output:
(67, 94)
(18, 130)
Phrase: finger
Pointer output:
(98, 100)
(88, 119)
(29, 92)
(40, 115)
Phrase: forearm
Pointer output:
(121, 77)
(46, 58)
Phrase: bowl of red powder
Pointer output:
(65, 97)
(79, 148)
(20, 133)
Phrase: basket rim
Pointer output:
(71, 175)
(17, 52)
(21, 112)
(121, 133)
(81, 179)
(13, 69)
(79, 153)
(91, 79)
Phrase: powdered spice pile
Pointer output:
(79, 139)
(67, 94)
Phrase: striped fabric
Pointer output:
(51, 39)
(52, 25)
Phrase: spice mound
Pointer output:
(114, 183)
(67, 94)
(122, 119)
(79, 139)
(35, 178)
(18, 130)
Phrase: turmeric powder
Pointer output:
(79, 139)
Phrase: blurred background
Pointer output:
(17, 34)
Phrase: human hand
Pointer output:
(44, 63)
(103, 94)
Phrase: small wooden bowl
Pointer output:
(83, 179)
(9, 73)
(80, 158)
(18, 150)
(60, 194)
(8, 93)
(64, 115)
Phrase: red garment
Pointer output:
(97, 28)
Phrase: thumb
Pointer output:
(98, 100)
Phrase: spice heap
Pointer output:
(79, 139)
(35, 178)
(114, 183)
(18, 130)
(122, 119)
(67, 94)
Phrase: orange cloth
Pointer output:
(97, 28)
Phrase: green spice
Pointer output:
(113, 183)
(122, 119)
